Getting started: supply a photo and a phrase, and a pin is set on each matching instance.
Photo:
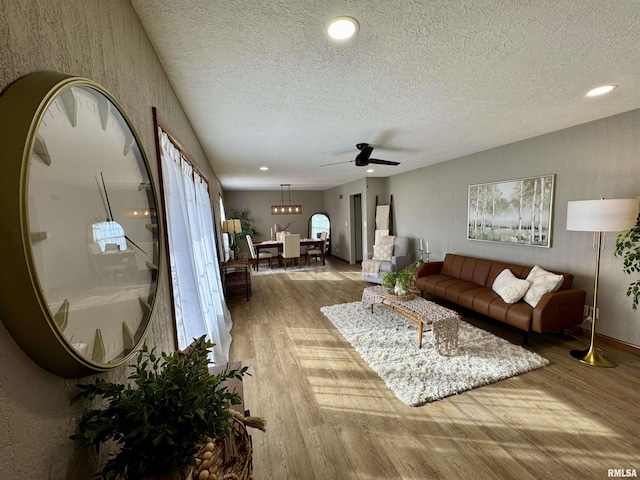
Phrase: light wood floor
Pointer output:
(331, 417)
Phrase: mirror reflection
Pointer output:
(93, 224)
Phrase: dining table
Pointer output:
(304, 242)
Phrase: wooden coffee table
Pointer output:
(444, 322)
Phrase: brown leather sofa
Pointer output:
(467, 281)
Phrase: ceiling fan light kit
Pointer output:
(288, 208)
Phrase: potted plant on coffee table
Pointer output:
(389, 279)
(159, 421)
(402, 281)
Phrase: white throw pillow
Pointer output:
(510, 288)
(382, 252)
(541, 282)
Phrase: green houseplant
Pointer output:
(401, 281)
(246, 222)
(405, 279)
(389, 279)
(628, 247)
(158, 420)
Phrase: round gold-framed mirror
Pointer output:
(79, 225)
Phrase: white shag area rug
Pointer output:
(389, 344)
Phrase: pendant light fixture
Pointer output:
(288, 208)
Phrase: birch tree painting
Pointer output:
(515, 211)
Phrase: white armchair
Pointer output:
(399, 260)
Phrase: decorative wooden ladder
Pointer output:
(384, 218)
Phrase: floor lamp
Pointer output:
(599, 216)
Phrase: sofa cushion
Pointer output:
(473, 297)
(456, 291)
(429, 283)
(510, 288)
(459, 266)
(478, 270)
(541, 282)
(516, 314)
(481, 299)
(445, 286)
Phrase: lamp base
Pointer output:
(591, 356)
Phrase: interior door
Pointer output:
(356, 228)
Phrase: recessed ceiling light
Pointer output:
(601, 90)
(369, 170)
(342, 28)
(264, 168)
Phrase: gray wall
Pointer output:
(590, 161)
(259, 204)
(336, 202)
(103, 41)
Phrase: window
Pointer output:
(319, 222)
(109, 233)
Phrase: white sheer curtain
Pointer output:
(197, 288)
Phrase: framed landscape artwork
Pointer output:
(517, 212)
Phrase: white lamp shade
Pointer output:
(611, 215)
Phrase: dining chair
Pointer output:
(291, 248)
(315, 251)
(261, 256)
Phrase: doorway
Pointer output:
(356, 228)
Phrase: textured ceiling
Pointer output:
(424, 81)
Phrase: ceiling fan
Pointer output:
(364, 157)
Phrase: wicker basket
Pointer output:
(394, 296)
(230, 458)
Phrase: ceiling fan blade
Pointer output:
(336, 163)
(364, 157)
(383, 162)
(365, 151)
